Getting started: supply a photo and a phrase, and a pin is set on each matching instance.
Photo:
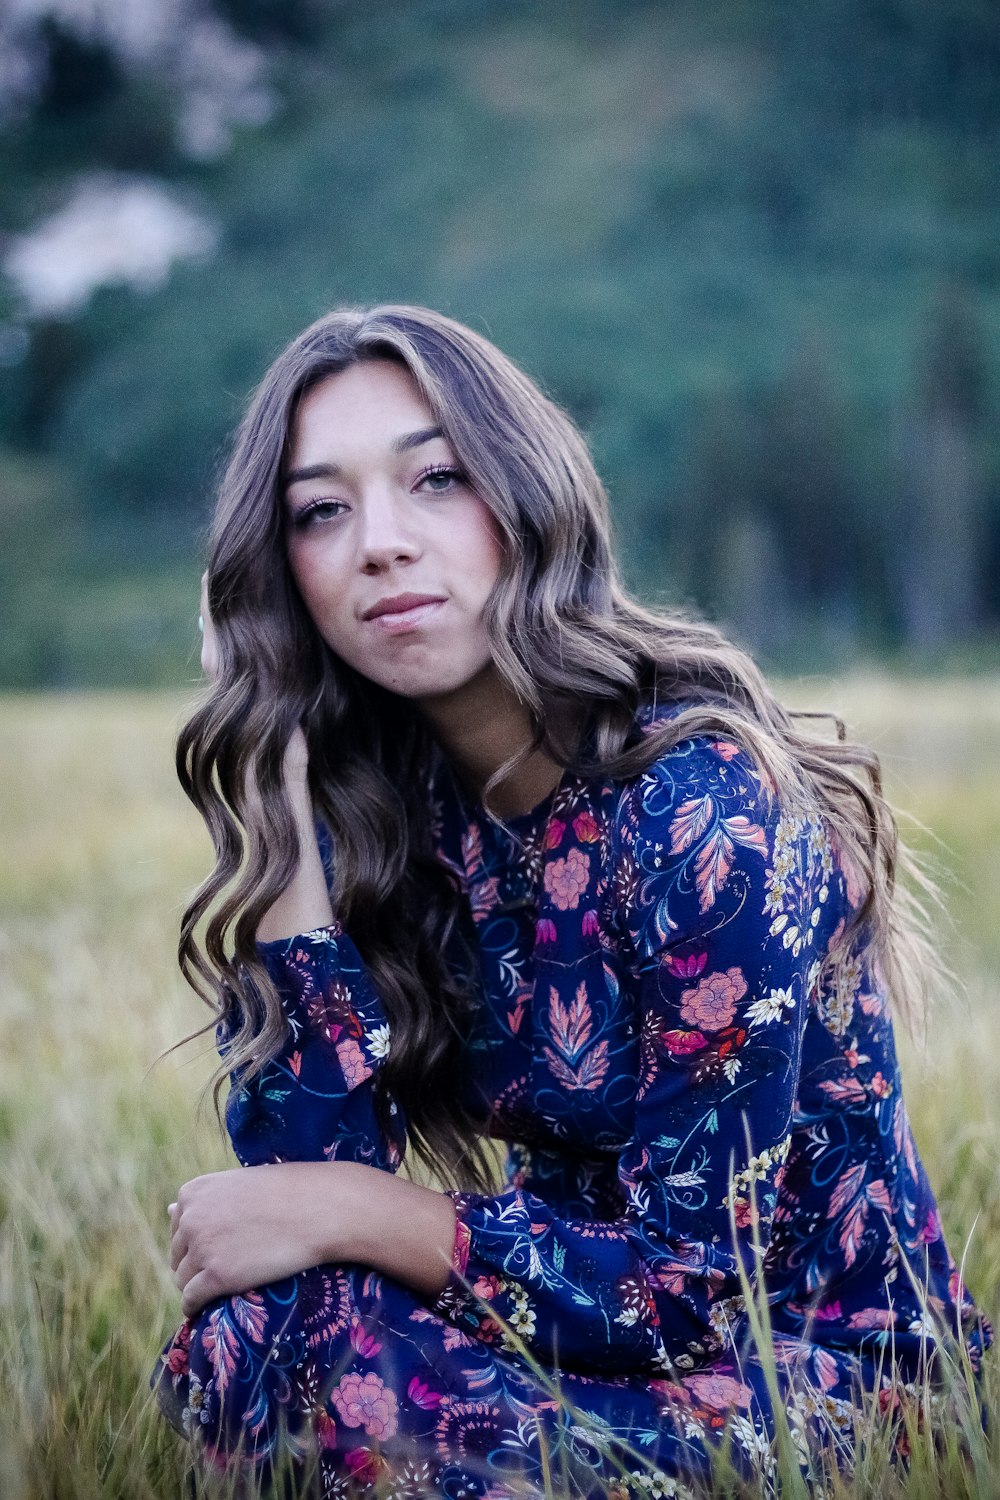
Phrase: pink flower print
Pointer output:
(716, 1391)
(177, 1356)
(586, 829)
(461, 1247)
(365, 1401)
(590, 923)
(686, 968)
(743, 1213)
(487, 1287)
(325, 1429)
(871, 1317)
(453, 1338)
(488, 1331)
(366, 1464)
(553, 834)
(830, 1312)
(931, 1230)
(365, 1343)
(566, 879)
(352, 1061)
(483, 896)
(726, 749)
(681, 1043)
(545, 931)
(669, 1391)
(712, 1005)
(421, 1394)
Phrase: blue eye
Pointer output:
(317, 510)
(446, 472)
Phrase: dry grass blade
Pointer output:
(100, 850)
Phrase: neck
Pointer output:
(482, 726)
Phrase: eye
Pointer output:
(315, 510)
(440, 479)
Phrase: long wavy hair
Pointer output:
(563, 633)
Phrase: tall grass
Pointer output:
(99, 850)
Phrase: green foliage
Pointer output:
(725, 236)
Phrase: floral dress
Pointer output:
(691, 1115)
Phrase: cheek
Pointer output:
(318, 586)
(482, 549)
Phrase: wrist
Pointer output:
(400, 1228)
(332, 1210)
(300, 798)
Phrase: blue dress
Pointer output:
(691, 1110)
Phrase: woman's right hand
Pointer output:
(209, 639)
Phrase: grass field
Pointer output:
(99, 851)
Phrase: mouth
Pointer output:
(405, 616)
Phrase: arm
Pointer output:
(304, 904)
(720, 1002)
(231, 1231)
(234, 1230)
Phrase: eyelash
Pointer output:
(447, 469)
(302, 517)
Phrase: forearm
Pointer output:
(304, 904)
(399, 1228)
(242, 1228)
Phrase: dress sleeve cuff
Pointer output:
(457, 1298)
(275, 953)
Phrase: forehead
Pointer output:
(368, 403)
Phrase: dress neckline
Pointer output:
(518, 823)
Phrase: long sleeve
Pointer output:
(714, 912)
(314, 1100)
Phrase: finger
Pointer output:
(185, 1270)
(209, 642)
(179, 1247)
(201, 1289)
(195, 1295)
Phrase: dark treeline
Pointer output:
(753, 248)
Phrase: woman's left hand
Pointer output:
(233, 1230)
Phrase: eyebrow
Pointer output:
(401, 444)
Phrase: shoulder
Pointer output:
(702, 835)
(696, 778)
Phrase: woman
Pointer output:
(505, 854)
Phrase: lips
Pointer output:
(400, 604)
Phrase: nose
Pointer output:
(386, 534)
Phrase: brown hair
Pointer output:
(563, 632)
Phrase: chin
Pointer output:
(428, 687)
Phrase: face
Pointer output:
(393, 553)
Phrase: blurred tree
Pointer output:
(295, 21)
(766, 523)
(941, 544)
(79, 74)
(646, 205)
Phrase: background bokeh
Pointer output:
(752, 247)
